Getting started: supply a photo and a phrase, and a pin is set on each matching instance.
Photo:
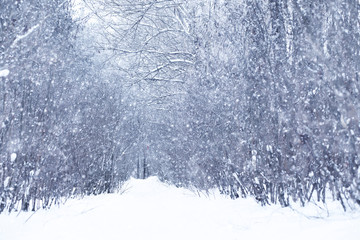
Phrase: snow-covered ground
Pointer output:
(149, 209)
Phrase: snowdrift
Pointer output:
(150, 209)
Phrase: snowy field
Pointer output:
(149, 209)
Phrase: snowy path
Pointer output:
(153, 210)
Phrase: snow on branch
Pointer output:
(20, 37)
(4, 72)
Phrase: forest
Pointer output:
(255, 98)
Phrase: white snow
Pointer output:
(13, 157)
(149, 209)
(4, 72)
